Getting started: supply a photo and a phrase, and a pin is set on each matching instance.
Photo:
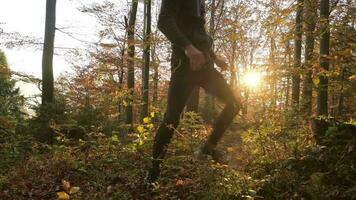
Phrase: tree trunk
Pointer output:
(340, 107)
(310, 23)
(287, 93)
(146, 55)
(47, 57)
(155, 65)
(288, 61)
(320, 124)
(121, 81)
(297, 55)
(233, 77)
(322, 99)
(46, 134)
(273, 81)
(131, 62)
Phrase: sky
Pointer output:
(28, 18)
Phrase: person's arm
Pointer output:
(168, 26)
(167, 23)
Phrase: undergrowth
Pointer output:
(276, 159)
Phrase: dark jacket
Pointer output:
(183, 23)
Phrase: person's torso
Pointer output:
(191, 21)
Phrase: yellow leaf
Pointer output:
(115, 138)
(62, 195)
(66, 185)
(150, 126)
(141, 129)
(146, 120)
(316, 81)
(152, 114)
(74, 190)
(125, 103)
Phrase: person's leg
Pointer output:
(179, 91)
(215, 84)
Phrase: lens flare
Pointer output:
(252, 79)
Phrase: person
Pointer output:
(192, 65)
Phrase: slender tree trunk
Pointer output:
(320, 124)
(287, 93)
(155, 85)
(121, 81)
(340, 107)
(310, 10)
(347, 20)
(131, 62)
(233, 77)
(288, 61)
(247, 91)
(47, 57)
(46, 133)
(322, 100)
(297, 55)
(155, 75)
(146, 55)
(273, 84)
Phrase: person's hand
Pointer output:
(220, 62)
(196, 57)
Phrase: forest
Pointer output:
(89, 133)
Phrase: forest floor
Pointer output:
(109, 167)
(104, 168)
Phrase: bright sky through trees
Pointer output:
(27, 18)
(252, 79)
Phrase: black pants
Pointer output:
(180, 88)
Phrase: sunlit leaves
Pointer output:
(65, 185)
(316, 81)
(63, 196)
(352, 78)
(115, 138)
(146, 120)
(68, 190)
(179, 182)
(144, 133)
(141, 129)
(74, 190)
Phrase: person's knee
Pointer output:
(171, 120)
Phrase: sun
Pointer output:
(252, 79)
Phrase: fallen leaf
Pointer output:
(74, 190)
(66, 185)
(179, 182)
(110, 189)
(230, 149)
(62, 195)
